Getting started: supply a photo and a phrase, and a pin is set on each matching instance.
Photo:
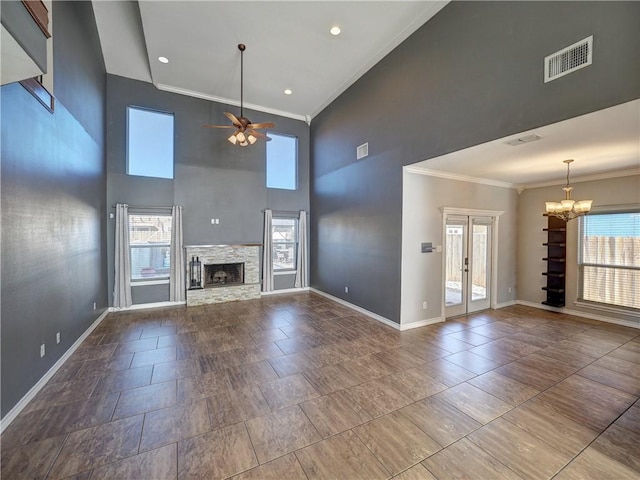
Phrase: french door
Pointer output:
(467, 264)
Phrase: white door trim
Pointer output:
(449, 211)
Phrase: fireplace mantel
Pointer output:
(247, 254)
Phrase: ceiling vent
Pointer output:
(568, 60)
(522, 140)
(362, 151)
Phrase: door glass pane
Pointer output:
(455, 254)
(480, 262)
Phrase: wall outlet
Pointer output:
(42, 350)
(94, 305)
(58, 337)
(510, 289)
(424, 305)
(346, 289)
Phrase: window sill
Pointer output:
(144, 283)
(608, 308)
(285, 272)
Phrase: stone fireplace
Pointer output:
(222, 273)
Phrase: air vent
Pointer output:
(522, 140)
(362, 151)
(567, 60)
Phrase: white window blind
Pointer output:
(609, 258)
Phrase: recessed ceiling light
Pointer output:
(163, 59)
(335, 30)
(288, 91)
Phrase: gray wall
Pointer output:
(473, 73)
(20, 24)
(613, 191)
(53, 207)
(213, 179)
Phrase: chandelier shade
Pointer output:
(568, 209)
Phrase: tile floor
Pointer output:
(299, 387)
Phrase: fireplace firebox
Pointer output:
(223, 274)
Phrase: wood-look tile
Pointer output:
(251, 374)
(378, 397)
(425, 351)
(592, 464)
(341, 456)
(417, 472)
(68, 417)
(368, 367)
(331, 378)
(95, 368)
(146, 399)
(465, 460)
(619, 381)
(281, 432)
(630, 419)
(551, 427)
(113, 337)
(96, 446)
(334, 413)
(217, 454)
(504, 388)
(61, 393)
(472, 362)
(291, 364)
(629, 352)
(619, 365)
(326, 355)
(136, 346)
(123, 380)
(169, 425)
(93, 352)
(396, 442)
(152, 357)
(158, 331)
(236, 406)
(451, 345)
(287, 391)
(398, 358)
(441, 421)
(446, 372)
(164, 372)
(528, 456)
(159, 464)
(202, 386)
(621, 445)
(31, 460)
(416, 384)
(478, 404)
(608, 397)
(271, 335)
(283, 468)
(67, 372)
(528, 375)
(470, 337)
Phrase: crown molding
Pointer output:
(462, 178)
(585, 178)
(229, 101)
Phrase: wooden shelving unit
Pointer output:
(556, 262)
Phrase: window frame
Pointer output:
(173, 143)
(155, 280)
(295, 160)
(581, 264)
(295, 243)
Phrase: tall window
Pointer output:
(149, 143)
(609, 258)
(282, 162)
(149, 242)
(285, 243)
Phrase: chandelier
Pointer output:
(568, 209)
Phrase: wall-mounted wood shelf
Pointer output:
(556, 262)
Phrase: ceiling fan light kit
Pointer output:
(568, 209)
(246, 132)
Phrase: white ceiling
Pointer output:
(601, 143)
(289, 46)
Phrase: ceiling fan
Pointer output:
(245, 133)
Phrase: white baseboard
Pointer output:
(284, 290)
(510, 303)
(143, 306)
(578, 313)
(364, 311)
(13, 413)
(421, 323)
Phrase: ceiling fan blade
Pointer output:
(233, 119)
(261, 125)
(259, 135)
(219, 126)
